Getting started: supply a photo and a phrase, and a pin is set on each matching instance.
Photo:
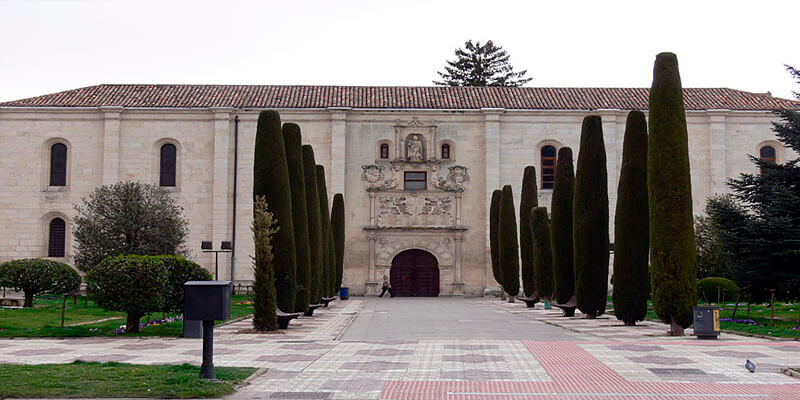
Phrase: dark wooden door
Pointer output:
(415, 273)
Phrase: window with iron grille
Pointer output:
(548, 167)
(57, 238)
(384, 150)
(767, 154)
(446, 151)
(168, 165)
(58, 164)
(415, 181)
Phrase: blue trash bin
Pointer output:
(344, 293)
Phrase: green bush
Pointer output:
(327, 245)
(542, 252)
(271, 180)
(631, 226)
(509, 245)
(314, 222)
(716, 290)
(132, 284)
(294, 159)
(561, 226)
(337, 225)
(590, 218)
(265, 317)
(528, 201)
(34, 276)
(672, 248)
(179, 271)
(494, 223)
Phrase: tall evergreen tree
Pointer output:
(631, 225)
(508, 243)
(590, 219)
(332, 271)
(264, 316)
(327, 260)
(481, 65)
(528, 201)
(294, 159)
(494, 223)
(561, 226)
(271, 180)
(542, 252)
(337, 224)
(672, 249)
(314, 222)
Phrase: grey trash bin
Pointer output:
(706, 322)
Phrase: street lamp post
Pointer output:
(207, 247)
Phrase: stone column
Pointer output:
(458, 208)
(111, 149)
(371, 284)
(372, 221)
(221, 187)
(718, 135)
(458, 278)
(338, 150)
(493, 157)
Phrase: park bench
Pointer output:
(12, 301)
(531, 301)
(284, 318)
(568, 307)
(311, 308)
(326, 300)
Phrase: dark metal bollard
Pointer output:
(208, 301)
(207, 368)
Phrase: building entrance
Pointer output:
(415, 273)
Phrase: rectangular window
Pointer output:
(415, 181)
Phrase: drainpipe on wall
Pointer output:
(235, 177)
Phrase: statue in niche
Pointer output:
(414, 148)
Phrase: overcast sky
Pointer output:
(49, 46)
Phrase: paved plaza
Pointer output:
(458, 349)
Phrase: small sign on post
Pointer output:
(207, 301)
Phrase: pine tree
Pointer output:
(494, 223)
(327, 260)
(337, 224)
(508, 243)
(561, 226)
(294, 159)
(271, 180)
(542, 252)
(672, 251)
(264, 316)
(481, 65)
(590, 221)
(528, 201)
(631, 225)
(314, 223)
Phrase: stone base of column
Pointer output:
(371, 289)
(458, 288)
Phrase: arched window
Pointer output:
(56, 238)
(168, 165)
(548, 167)
(446, 151)
(384, 150)
(767, 154)
(58, 164)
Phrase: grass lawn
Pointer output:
(92, 379)
(44, 320)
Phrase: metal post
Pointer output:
(216, 265)
(207, 368)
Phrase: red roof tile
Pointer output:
(392, 97)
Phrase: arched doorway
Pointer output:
(415, 273)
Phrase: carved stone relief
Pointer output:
(375, 178)
(415, 210)
(387, 247)
(454, 182)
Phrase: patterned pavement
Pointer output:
(607, 361)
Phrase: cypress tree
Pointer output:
(542, 252)
(332, 268)
(337, 225)
(494, 219)
(326, 228)
(264, 316)
(590, 219)
(672, 252)
(561, 226)
(294, 158)
(271, 180)
(314, 222)
(528, 201)
(508, 243)
(631, 225)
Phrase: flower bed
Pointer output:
(124, 329)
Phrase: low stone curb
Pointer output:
(791, 372)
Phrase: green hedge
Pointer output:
(179, 271)
(337, 225)
(528, 201)
(294, 157)
(327, 245)
(542, 252)
(34, 276)
(494, 224)
(508, 243)
(314, 223)
(715, 289)
(561, 226)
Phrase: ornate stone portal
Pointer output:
(427, 219)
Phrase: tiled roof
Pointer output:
(392, 97)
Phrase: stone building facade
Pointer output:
(416, 165)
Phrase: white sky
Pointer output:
(49, 46)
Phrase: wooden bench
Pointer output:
(12, 302)
(531, 301)
(568, 308)
(284, 318)
(311, 308)
(326, 300)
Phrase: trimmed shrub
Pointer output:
(35, 276)
(542, 252)
(265, 317)
(631, 226)
(314, 223)
(271, 180)
(133, 284)
(337, 225)
(716, 290)
(508, 243)
(294, 159)
(528, 201)
(561, 226)
(332, 269)
(590, 219)
(494, 244)
(325, 218)
(179, 271)
(672, 248)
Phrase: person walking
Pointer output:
(387, 287)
